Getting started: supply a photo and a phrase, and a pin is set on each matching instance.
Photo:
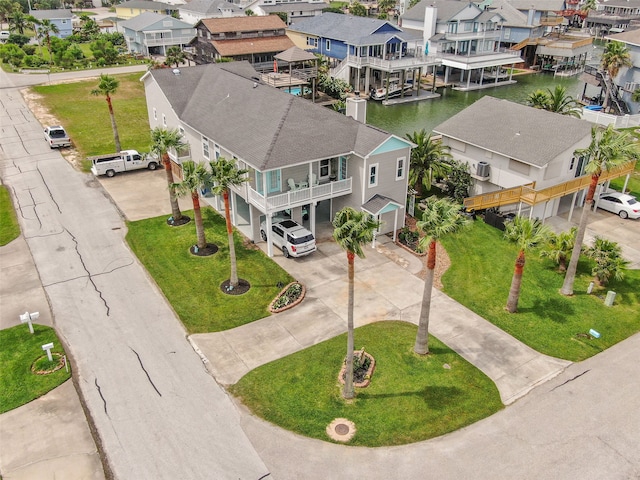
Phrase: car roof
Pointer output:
(294, 227)
(620, 195)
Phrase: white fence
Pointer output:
(619, 121)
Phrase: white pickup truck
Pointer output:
(56, 137)
(124, 161)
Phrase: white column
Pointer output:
(269, 232)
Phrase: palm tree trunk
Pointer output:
(516, 282)
(232, 247)
(570, 275)
(114, 127)
(51, 54)
(176, 214)
(421, 346)
(197, 213)
(348, 391)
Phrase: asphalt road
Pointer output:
(158, 413)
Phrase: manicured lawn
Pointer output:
(634, 181)
(92, 134)
(410, 398)
(9, 228)
(192, 284)
(19, 350)
(480, 276)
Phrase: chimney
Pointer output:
(530, 16)
(357, 108)
(429, 30)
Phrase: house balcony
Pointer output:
(153, 41)
(477, 35)
(295, 198)
(393, 62)
(467, 61)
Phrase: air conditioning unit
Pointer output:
(482, 169)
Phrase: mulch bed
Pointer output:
(177, 223)
(242, 287)
(210, 249)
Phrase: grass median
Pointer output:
(20, 350)
(192, 284)
(9, 227)
(480, 276)
(410, 398)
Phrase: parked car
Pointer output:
(624, 205)
(292, 238)
(4, 36)
(123, 161)
(56, 137)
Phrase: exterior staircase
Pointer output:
(529, 195)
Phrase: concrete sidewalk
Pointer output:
(387, 288)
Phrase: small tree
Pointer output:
(162, 140)
(441, 217)
(46, 27)
(558, 247)
(526, 234)
(609, 263)
(351, 230)
(108, 86)
(429, 160)
(458, 181)
(194, 176)
(556, 101)
(357, 9)
(175, 56)
(225, 174)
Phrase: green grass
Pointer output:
(9, 228)
(410, 398)
(634, 181)
(480, 277)
(19, 350)
(192, 284)
(92, 134)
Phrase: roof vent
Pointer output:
(176, 71)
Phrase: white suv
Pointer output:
(292, 238)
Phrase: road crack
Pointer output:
(147, 373)
(570, 380)
(102, 397)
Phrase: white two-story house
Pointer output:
(507, 145)
(298, 154)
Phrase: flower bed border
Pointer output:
(417, 254)
(291, 305)
(368, 375)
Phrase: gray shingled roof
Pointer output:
(51, 14)
(347, 28)
(209, 7)
(148, 19)
(632, 37)
(293, 7)
(262, 125)
(527, 134)
(147, 4)
(446, 9)
(538, 5)
(512, 16)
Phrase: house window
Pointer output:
(373, 175)
(205, 147)
(164, 120)
(181, 131)
(400, 168)
(216, 150)
(312, 41)
(573, 163)
(342, 170)
(155, 114)
(327, 45)
(324, 168)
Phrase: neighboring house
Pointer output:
(151, 33)
(197, 10)
(284, 141)
(628, 78)
(507, 145)
(61, 18)
(294, 11)
(254, 39)
(467, 41)
(613, 16)
(365, 51)
(133, 8)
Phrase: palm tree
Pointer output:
(440, 217)
(194, 176)
(45, 27)
(608, 149)
(616, 55)
(225, 174)
(608, 260)
(558, 247)
(351, 230)
(428, 160)
(162, 140)
(19, 22)
(556, 101)
(175, 55)
(108, 86)
(635, 96)
(526, 234)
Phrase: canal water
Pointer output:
(413, 116)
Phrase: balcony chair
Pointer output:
(292, 185)
(313, 180)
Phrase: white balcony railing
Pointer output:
(295, 198)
